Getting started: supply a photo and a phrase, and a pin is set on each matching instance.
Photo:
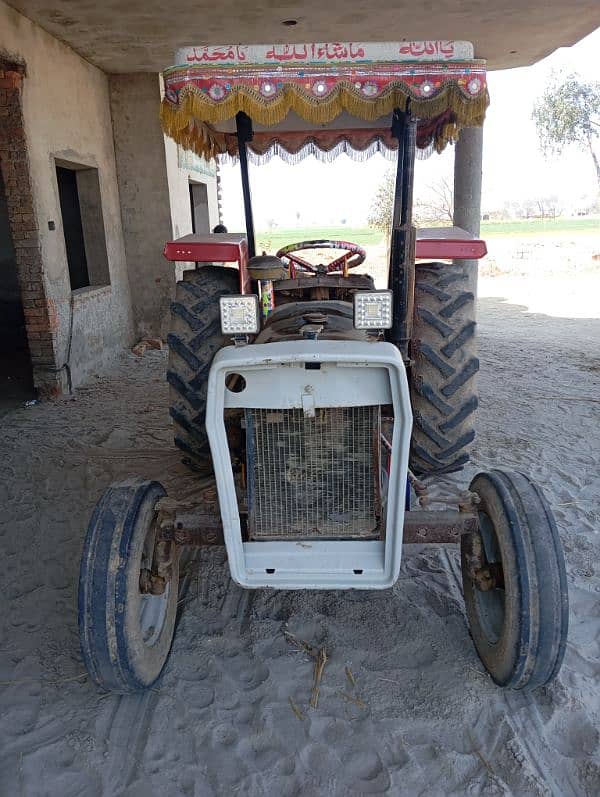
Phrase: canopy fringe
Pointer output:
(311, 148)
(190, 122)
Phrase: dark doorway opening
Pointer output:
(16, 373)
(83, 225)
(72, 227)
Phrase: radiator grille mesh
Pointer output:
(314, 477)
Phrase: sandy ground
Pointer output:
(423, 717)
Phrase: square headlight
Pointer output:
(373, 309)
(239, 315)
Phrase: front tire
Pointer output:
(519, 620)
(125, 635)
(444, 366)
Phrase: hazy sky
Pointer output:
(514, 166)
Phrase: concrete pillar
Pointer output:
(144, 193)
(468, 153)
(154, 186)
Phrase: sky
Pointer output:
(513, 167)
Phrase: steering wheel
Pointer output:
(354, 257)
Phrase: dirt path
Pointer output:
(422, 718)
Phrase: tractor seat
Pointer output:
(267, 267)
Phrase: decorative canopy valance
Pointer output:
(295, 145)
(319, 82)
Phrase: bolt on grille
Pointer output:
(314, 477)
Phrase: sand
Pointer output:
(405, 707)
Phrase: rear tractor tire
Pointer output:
(194, 340)
(444, 355)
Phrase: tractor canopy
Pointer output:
(322, 99)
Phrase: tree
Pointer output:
(435, 207)
(382, 206)
(438, 204)
(569, 113)
(548, 206)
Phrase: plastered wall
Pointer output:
(66, 113)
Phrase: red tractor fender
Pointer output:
(448, 243)
(434, 243)
(214, 248)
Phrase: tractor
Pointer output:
(317, 410)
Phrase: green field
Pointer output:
(271, 241)
(584, 226)
(365, 236)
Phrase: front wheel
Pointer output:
(515, 582)
(125, 632)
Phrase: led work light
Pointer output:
(373, 309)
(239, 315)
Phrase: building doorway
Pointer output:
(199, 208)
(73, 227)
(16, 373)
(83, 225)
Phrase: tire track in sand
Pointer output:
(524, 721)
(128, 724)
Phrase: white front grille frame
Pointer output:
(352, 373)
(315, 477)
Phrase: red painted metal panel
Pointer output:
(222, 248)
(216, 248)
(439, 243)
(448, 243)
(450, 250)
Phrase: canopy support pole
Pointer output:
(243, 125)
(468, 156)
(401, 275)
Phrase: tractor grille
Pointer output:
(314, 477)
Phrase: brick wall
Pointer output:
(40, 316)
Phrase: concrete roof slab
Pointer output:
(142, 36)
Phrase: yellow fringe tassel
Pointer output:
(190, 123)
